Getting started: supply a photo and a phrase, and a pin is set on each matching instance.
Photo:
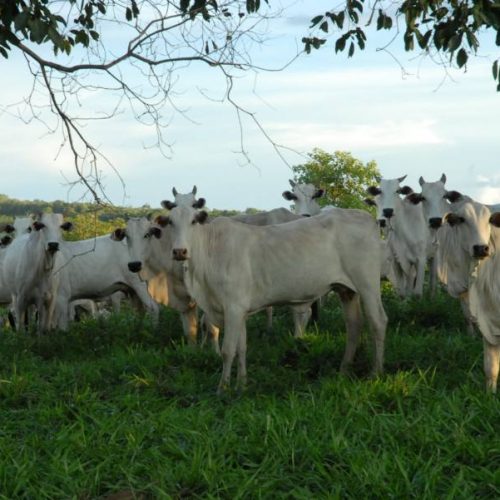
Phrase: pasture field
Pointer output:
(118, 409)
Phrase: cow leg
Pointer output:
(269, 324)
(301, 315)
(213, 333)
(234, 325)
(375, 313)
(189, 320)
(464, 304)
(241, 380)
(419, 279)
(149, 304)
(20, 307)
(491, 361)
(353, 322)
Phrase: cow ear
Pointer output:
(199, 203)
(6, 240)
(453, 196)
(453, 219)
(405, 190)
(37, 225)
(9, 228)
(169, 205)
(495, 219)
(370, 202)
(288, 195)
(162, 220)
(155, 231)
(118, 234)
(319, 193)
(415, 198)
(67, 226)
(201, 217)
(373, 191)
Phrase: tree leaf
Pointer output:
(315, 20)
(461, 58)
(324, 26)
(351, 50)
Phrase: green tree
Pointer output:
(436, 27)
(343, 177)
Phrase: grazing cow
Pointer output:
(93, 269)
(484, 299)
(149, 251)
(28, 269)
(304, 197)
(407, 235)
(235, 269)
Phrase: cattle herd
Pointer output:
(230, 267)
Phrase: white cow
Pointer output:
(235, 269)
(28, 269)
(484, 298)
(300, 314)
(304, 197)
(435, 206)
(462, 241)
(149, 251)
(93, 269)
(407, 234)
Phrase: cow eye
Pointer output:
(147, 235)
(194, 221)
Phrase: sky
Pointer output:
(424, 121)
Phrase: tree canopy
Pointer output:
(343, 177)
(444, 27)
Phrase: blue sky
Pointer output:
(423, 122)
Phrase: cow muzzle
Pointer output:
(180, 253)
(388, 212)
(53, 246)
(135, 266)
(481, 251)
(435, 222)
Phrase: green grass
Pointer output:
(117, 406)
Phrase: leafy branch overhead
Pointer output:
(446, 26)
(157, 39)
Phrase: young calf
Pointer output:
(233, 269)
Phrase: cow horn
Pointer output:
(401, 179)
(194, 190)
(292, 183)
(421, 181)
(443, 178)
(174, 191)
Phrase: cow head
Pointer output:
(470, 223)
(304, 197)
(139, 234)
(22, 225)
(184, 223)
(185, 200)
(386, 198)
(47, 229)
(433, 199)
